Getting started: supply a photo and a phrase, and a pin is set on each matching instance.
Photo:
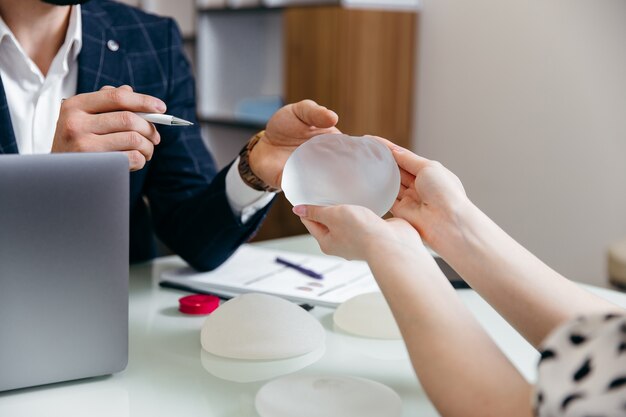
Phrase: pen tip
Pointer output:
(181, 122)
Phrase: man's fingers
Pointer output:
(124, 121)
(312, 114)
(127, 141)
(109, 87)
(136, 160)
(116, 99)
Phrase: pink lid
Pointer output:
(198, 304)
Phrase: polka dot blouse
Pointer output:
(582, 370)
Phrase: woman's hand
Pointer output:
(426, 308)
(431, 197)
(354, 232)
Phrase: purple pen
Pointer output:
(299, 268)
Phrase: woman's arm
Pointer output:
(461, 369)
(531, 296)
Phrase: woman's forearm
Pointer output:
(530, 295)
(461, 369)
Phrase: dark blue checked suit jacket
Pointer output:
(188, 208)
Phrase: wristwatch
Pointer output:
(249, 177)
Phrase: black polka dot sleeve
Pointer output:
(582, 369)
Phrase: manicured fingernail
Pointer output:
(397, 148)
(300, 211)
(160, 106)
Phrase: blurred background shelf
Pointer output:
(227, 10)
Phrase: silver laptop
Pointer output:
(63, 267)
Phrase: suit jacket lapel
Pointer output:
(102, 60)
(7, 136)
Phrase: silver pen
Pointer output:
(164, 119)
(160, 119)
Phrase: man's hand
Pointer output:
(289, 128)
(104, 121)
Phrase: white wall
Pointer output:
(526, 102)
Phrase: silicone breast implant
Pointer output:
(367, 315)
(327, 396)
(340, 169)
(261, 327)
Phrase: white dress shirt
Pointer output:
(35, 99)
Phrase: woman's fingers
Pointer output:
(315, 213)
(317, 230)
(401, 193)
(312, 218)
(409, 161)
(406, 159)
(407, 179)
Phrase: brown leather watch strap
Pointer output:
(245, 171)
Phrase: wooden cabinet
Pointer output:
(361, 64)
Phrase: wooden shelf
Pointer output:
(359, 63)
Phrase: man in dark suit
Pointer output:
(108, 61)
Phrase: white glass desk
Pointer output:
(165, 377)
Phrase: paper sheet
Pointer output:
(253, 269)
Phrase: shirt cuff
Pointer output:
(244, 200)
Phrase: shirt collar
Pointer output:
(73, 37)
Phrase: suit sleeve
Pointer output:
(187, 197)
